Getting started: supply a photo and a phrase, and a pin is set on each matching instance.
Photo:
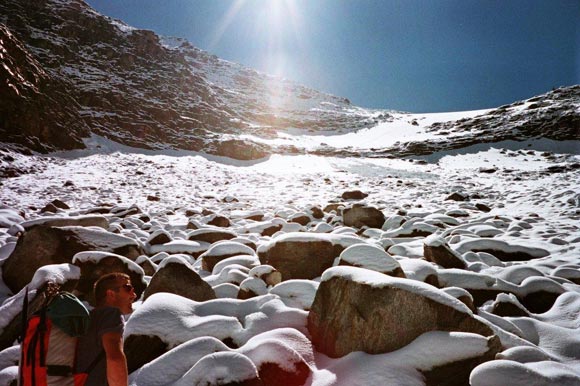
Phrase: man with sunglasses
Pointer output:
(100, 351)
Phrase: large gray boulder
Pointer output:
(42, 245)
(176, 276)
(356, 309)
(299, 255)
(362, 215)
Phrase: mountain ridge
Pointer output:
(92, 74)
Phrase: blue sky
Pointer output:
(411, 55)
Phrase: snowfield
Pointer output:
(509, 212)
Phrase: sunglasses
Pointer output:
(127, 287)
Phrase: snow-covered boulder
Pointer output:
(94, 264)
(302, 255)
(149, 267)
(166, 320)
(503, 250)
(371, 257)
(363, 215)
(42, 245)
(80, 221)
(436, 250)
(544, 373)
(211, 235)
(221, 251)
(356, 309)
(175, 275)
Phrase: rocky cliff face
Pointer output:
(71, 71)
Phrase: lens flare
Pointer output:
(277, 29)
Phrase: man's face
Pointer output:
(124, 295)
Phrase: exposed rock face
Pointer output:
(72, 72)
(211, 235)
(36, 110)
(142, 349)
(42, 245)
(457, 373)
(354, 195)
(298, 256)
(380, 314)
(440, 253)
(179, 279)
(362, 215)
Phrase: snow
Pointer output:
(222, 248)
(370, 257)
(175, 319)
(296, 293)
(545, 373)
(500, 245)
(532, 211)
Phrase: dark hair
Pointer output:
(105, 283)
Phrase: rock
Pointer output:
(333, 207)
(148, 266)
(49, 208)
(361, 310)
(300, 218)
(362, 215)
(142, 349)
(153, 198)
(267, 273)
(483, 207)
(93, 265)
(159, 237)
(59, 204)
(252, 287)
(316, 212)
(80, 221)
(221, 251)
(371, 257)
(176, 276)
(436, 250)
(354, 195)
(458, 373)
(219, 221)
(211, 235)
(457, 196)
(42, 245)
(302, 255)
(507, 305)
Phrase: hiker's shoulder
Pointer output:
(106, 312)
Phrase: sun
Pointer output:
(276, 25)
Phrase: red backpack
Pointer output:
(49, 341)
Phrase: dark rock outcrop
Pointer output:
(42, 245)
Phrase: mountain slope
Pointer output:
(69, 73)
(137, 91)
